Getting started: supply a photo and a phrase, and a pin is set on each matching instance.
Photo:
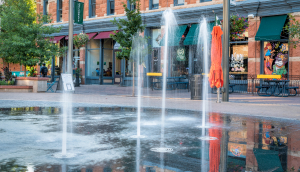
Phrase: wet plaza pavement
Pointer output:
(100, 140)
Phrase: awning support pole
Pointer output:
(226, 29)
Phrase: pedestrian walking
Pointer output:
(44, 70)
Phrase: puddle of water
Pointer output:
(101, 139)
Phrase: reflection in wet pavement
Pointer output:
(101, 140)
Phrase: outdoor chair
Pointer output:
(50, 86)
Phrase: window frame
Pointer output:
(205, 1)
(129, 6)
(46, 3)
(176, 3)
(59, 11)
(151, 5)
(92, 4)
(109, 7)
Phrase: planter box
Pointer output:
(39, 84)
(16, 88)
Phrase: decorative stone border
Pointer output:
(39, 84)
(15, 88)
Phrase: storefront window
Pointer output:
(93, 43)
(239, 58)
(128, 68)
(93, 62)
(276, 58)
(107, 63)
(238, 69)
(107, 57)
(156, 52)
(156, 60)
(179, 61)
(117, 65)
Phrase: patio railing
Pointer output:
(247, 85)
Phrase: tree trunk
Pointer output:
(133, 79)
(25, 71)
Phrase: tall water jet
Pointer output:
(170, 24)
(66, 125)
(137, 54)
(202, 52)
(138, 150)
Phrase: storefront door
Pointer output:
(117, 69)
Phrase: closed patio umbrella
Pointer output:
(216, 72)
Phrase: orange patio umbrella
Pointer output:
(216, 72)
(214, 145)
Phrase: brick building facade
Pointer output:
(99, 55)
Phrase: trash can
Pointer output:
(77, 84)
(196, 87)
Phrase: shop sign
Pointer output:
(180, 54)
(67, 82)
(156, 37)
(78, 12)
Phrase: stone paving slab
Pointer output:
(107, 95)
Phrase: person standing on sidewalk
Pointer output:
(44, 70)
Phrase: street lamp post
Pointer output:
(70, 44)
(226, 29)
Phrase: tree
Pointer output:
(293, 28)
(127, 29)
(24, 38)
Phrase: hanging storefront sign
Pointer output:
(180, 54)
(78, 12)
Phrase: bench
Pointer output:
(292, 88)
(260, 93)
(170, 85)
(182, 83)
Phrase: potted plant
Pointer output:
(32, 72)
(80, 40)
(9, 79)
(238, 25)
(77, 75)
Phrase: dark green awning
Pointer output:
(270, 28)
(174, 37)
(192, 36)
(267, 160)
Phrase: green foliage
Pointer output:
(78, 70)
(7, 82)
(23, 36)
(238, 25)
(293, 28)
(7, 74)
(32, 72)
(127, 29)
(80, 40)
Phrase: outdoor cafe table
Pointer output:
(277, 85)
